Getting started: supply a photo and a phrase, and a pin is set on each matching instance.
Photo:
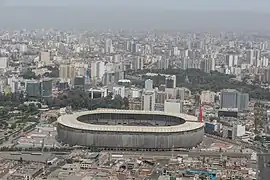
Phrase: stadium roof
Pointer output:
(70, 120)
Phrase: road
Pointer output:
(239, 143)
(168, 154)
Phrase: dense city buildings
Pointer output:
(129, 104)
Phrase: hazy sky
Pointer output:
(136, 14)
(243, 5)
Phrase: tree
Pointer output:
(117, 102)
(29, 75)
(199, 80)
(126, 103)
(13, 126)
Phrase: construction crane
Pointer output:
(212, 175)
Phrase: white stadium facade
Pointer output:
(130, 130)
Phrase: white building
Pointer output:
(173, 106)
(14, 84)
(108, 46)
(97, 70)
(98, 93)
(119, 90)
(238, 130)
(45, 58)
(148, 85)
(207, 97)
(3, 62)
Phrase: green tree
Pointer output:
(29, 75)
(126, 103)
(13, 126)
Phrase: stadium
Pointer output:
(130, 130)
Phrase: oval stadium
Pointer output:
(130, 130)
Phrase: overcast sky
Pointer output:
(243, 5)
(148, 14)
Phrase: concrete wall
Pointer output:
(130, 140)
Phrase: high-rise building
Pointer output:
(148, 101)
(148, 85)
(45, 58)
(67, 71)
(79, 82)
(97, 70)
(180, 93)
(163, 63)
(207, 65)
(263, 161)
(108, 46)
(243, 101)
(174, 106)
(3, 62)
(253, 56)
(170, 81)
(119, 90)
(33, 88)
(39, 88)
(207, 97)
(46, 87)
(161, 96)
(138, 63)
(14, 84)
(231, 98)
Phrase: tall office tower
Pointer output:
(67, 71)
(231, 98)
(45, 57)
(108, 46)
(174, 106)
(138, 63)
(33, 88)
(46, 87)
(38, 89)
(148, 101)
(79, 82)
(97, 70)
(170, 81)
(148, 85)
